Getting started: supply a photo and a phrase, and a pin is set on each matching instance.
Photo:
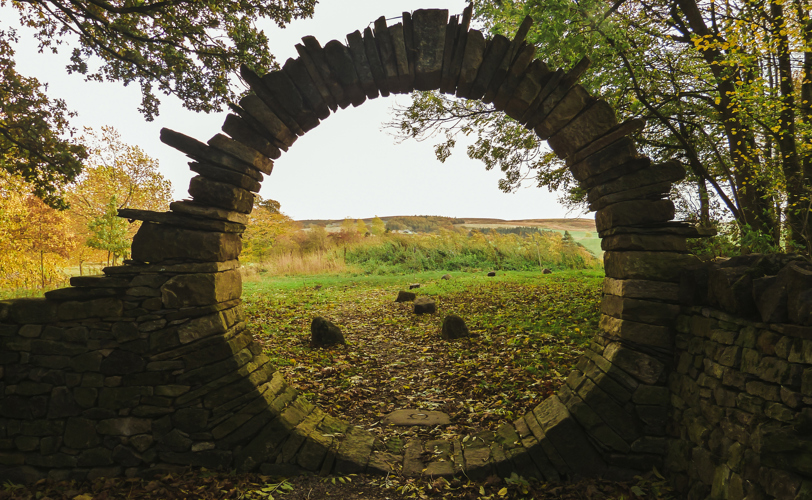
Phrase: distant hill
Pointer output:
(479, 222)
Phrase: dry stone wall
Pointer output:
(150, 368)
(741, 388)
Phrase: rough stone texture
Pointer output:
(362, 64)
(632, 213)
(242, 152)
(404, 296)
(201, 289)
(298, 73)
(191, 208)
(451, 73)
(386, 50)
(158, 243)
(325, 333)
(645, 243)
(375, 63)
(251, 133)
(514, 76)
(316, 54)
(471, 60)
(454, 328)
(275, 129)
(405, 77)
(221, 195)
(528, 89)
(654, 266)
(670, 171)
(290, 100)
(592, 123)
(642, 311)
(494, 54)
(642, 289)
(342, 67)
(429, 44)
(424, 305)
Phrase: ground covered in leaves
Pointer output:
(206, 485)
(527, 331)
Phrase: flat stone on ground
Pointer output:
(417, 417)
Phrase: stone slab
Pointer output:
(527, 89)
(417, 417)
(297, 71)
(189, 207)
(405, 77)
(361, 62)
(472, 58)
(159, 242)
(251, 134)
(221, 195)
(450, 86)
(386, 50)
(590, 124)
(576, 101)
(290, 100)
(375, 64)
(242, 152)
(315, 76)
(654, 266)
(269, 97)
(630, 213)
(203, 152)
(429, 44)
(342, 67)
(493, 57)
(276, 130)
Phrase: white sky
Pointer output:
(346, 167)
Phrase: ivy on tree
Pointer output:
(189, 49)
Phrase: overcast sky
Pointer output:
(347, 167)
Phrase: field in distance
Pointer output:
(582, 230)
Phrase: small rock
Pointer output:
(324, 333)
(546, 271)
(446, 277)
(405, 296)
(424, 305)
(414, 285)
(454, 327)
(492, 273)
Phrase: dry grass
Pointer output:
(298, 264)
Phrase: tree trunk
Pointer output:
(704, 203)
(790, 162)
(755, 205)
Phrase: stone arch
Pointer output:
(180, 381)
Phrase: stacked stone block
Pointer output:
(150, 368)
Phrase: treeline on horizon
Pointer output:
(278, 245)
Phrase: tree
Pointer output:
(119, 171)
(35, 136)
(116, 173)
(35, 239)
(377, 226)
(361, 227)
(189, 49)
(725, 89)
(268, 231)
(109, 232)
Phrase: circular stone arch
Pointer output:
(235, 411)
